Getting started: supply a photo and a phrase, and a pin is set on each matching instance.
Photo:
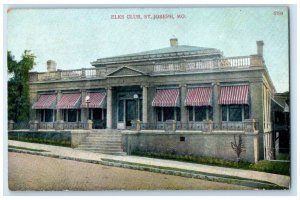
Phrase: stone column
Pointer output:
(58, 111)
(145, 104)
(183, 108)
(109, 108)
(84, 111)
(217, 111)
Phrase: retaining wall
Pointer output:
(214, 145)
(70, 138)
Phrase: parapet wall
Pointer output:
(214, 145)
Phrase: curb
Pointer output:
(177, 172)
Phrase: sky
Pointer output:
(76, 37)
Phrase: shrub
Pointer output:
(264, 165)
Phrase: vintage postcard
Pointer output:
(148, 99)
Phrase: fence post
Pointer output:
(174, 125)
(89, 125)
(33, 125)
(208, 126)
(11, 125)
(59, 125)
(138, 125)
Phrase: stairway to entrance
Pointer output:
(103, 141)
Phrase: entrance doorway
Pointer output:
(131, 112)
(128, 110)
(128, 105)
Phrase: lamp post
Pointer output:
(87, 101)
(136, 97)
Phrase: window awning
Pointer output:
(166, 98)
(234, 95)
(97, 100)
(69, 101)
(200, 96)
(45, 101)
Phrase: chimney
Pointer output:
(51, 66)
(173, 42)
(260, 47)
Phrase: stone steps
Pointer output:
(103, 141)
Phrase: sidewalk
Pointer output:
(280, 180)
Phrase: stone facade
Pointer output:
(177, 67)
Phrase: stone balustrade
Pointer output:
(207, 64)
(208, 126)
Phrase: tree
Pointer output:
(238, 147)
(18, 86)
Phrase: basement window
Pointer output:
(182, 139)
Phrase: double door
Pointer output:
(128, 111)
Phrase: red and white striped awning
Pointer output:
(69, 101)
(166, 98)
(97, 100)
(199, 96)
(46, 101)
(234, 94)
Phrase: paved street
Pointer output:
(30, 172)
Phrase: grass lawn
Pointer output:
(276, 167)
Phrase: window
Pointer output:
(47, 115)
(191, 113)
(224, 112)
(72, 115)
(235, 112)
(159, 114)
(79, 115)
(210, 113)
(246, 112)
(42, 115)
(178, 114)
(167, 113)
(65, 113)
(200, 113)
